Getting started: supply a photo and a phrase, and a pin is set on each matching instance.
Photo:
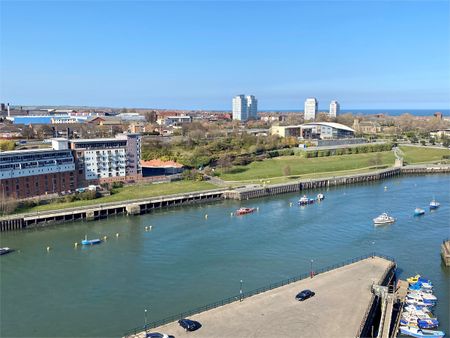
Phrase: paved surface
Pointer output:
(342, 297)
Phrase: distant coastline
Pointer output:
(390, 112)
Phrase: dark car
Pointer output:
(305, 294)
(189, 325)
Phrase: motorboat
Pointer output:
(421, 285)
(244, 211)
(428, 323)
(86, 241)
(419, 212)
(5, 250)
(434, 204)
(430, 299)
(418, 310)
(424, 295)
(384, 219)
(414, 279)
(423, 303)
(305, 200)
(320, 197)
(417, 332)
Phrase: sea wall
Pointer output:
(137, 207)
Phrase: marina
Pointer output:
(187, 260)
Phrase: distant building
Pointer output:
(366, 127)
(245, 107)
(8, 131)
(29, 173)
(173, 120)
(334, 109)
(311, 107)
(438, 115)
(439, 134)
(315, 130)
(160, 168)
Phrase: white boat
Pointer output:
(423, 295)
(5, 250)
(384, 219)
(419, 302)
(417, 310)
(416, 332)
(434, 204)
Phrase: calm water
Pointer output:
(187, 260)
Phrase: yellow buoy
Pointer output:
(48, 248)
(117, 235)
(150, 227)
(290, 204)
(206, 216)
(75, 244)
(105, 237)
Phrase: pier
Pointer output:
(341, 306)
(445, 252)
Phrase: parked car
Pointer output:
(305, 294)
(189, 325)
(158, 335)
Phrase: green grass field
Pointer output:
(423, 154)
(130, 193)
(301, 166)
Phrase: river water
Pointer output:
(187, 260)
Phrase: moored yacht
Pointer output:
(384, 218)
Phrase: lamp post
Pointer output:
(240, 292)
(312, 273)
(145, 321)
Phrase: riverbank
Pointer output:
(141, 206)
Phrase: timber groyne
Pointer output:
(141, 206)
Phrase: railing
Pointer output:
(255, 292)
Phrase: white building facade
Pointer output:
(245, 107)
(311, 107)
(334, 109)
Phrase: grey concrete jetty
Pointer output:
(339, 308)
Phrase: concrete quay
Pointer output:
(445, 252)
(340, 307)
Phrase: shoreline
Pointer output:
(142, 206)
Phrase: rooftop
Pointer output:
(331, 124)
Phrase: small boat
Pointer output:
(421, 285)
(243, 211)
(412, 280)
(417, 332)
(320, 197)
(419, 212)
(428, 323)
(423, 303)
(418, 310)
(305, 200)
(430, 299)
(5, 250)
(86, 241)
(424, 295)
(384, 219)
(434, 204)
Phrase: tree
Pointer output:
(224, 162)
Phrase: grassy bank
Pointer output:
(277, 167)
(414, 154)
(130, 193)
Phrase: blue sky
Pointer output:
(197, 55)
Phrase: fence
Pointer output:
(252, 293)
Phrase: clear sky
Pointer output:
(197, 55)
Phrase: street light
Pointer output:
(145, 321)
(240, 292)
(312, 273)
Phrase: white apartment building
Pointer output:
(106, 158)
(245, 107)
(311, 107)
(334, 109)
